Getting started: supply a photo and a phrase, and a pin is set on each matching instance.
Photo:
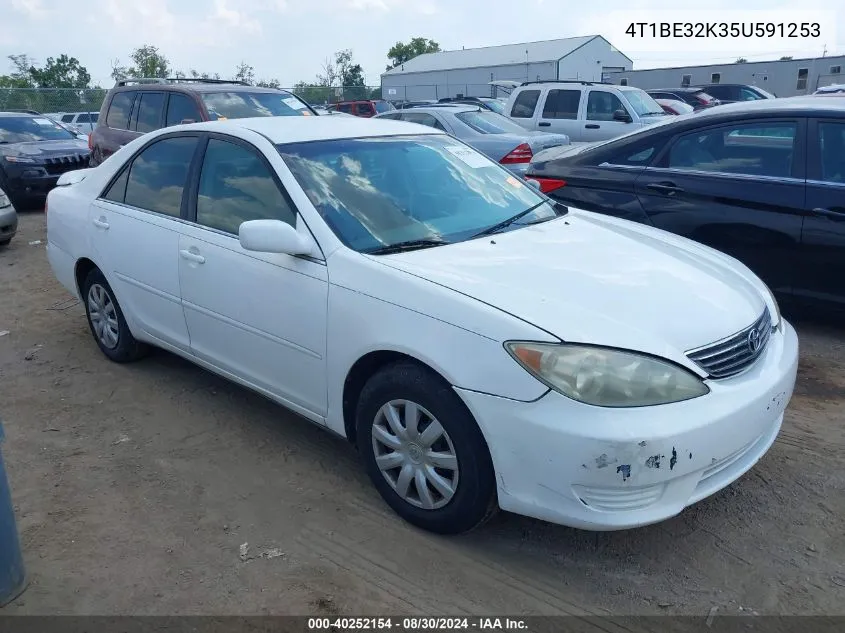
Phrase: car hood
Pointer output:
(589, 281)
(45, 149)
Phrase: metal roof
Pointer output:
(507, 54)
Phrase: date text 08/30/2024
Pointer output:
(417, 624)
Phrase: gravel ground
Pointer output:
(137, 486)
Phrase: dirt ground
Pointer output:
(136, 486)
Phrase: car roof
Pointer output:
(802, 105)
(446, 107)
(685, 89)
(195, 87)
(299, 129)
(11, 114)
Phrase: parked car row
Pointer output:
(490, 133)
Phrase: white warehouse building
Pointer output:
(469, 71)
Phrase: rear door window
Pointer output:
(158, 175)
(523, 106)
(119, 110)
(345, 107)
(562, 104)
(181, 108)
(423, 118)
(150, 111)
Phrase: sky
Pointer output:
(289, 40)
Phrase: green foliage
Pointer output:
(740, 60)
(785, 58)
(401, 52)
(313, 93)
(245, 73)
(62, 72)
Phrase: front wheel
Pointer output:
(424, 451)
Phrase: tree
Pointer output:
(785, 58)
(245, 73)
(63, 72)
(312, 93)
(19, 77)
(350, 75)
(740, 60)
(268, 83)
(149, 62)
(401, 52)
(118, 71)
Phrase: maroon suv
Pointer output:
(136, 106)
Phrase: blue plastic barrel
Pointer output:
(12, 573)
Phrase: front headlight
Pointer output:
(606, 377)
(20, 159)
(776, 314)
(4, 201)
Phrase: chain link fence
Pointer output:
(52, 100)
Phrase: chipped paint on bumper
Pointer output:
(608, 469)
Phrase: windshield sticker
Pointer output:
(513, 182)
(293, 102)
(469, 156)
(45, 122)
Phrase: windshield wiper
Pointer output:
(409, 245)
(506, 223)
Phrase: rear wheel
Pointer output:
(106, 320)
(423, 450)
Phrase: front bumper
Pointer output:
(8, 223)
(28, 185)
(609, 469)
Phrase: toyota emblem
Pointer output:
(753, 341)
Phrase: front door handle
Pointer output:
(838, 213)
(592, 126)
(667, 188)
(544, 124)
(191, 256)
(101, 223)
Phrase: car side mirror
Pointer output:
(273, 236)
(621, 115)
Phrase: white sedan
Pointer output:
(481, 345)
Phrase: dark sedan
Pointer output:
(696, 97)
(34, 152)
(761, 181)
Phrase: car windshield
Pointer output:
(765, 93)
(20, 129)
(242, 105)
(384, 106)
(642, 103)
(488, 122)
(379, 192)
(496, 105)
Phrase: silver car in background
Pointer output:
(492, 134)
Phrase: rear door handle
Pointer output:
(544, 124)
(592, 126)
(192, 256)
(666, 188)
(101, 223)
(830, 213)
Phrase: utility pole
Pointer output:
(824, 51)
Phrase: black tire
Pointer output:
(474, 500)
(127, 348)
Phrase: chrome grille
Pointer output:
(736, 353)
